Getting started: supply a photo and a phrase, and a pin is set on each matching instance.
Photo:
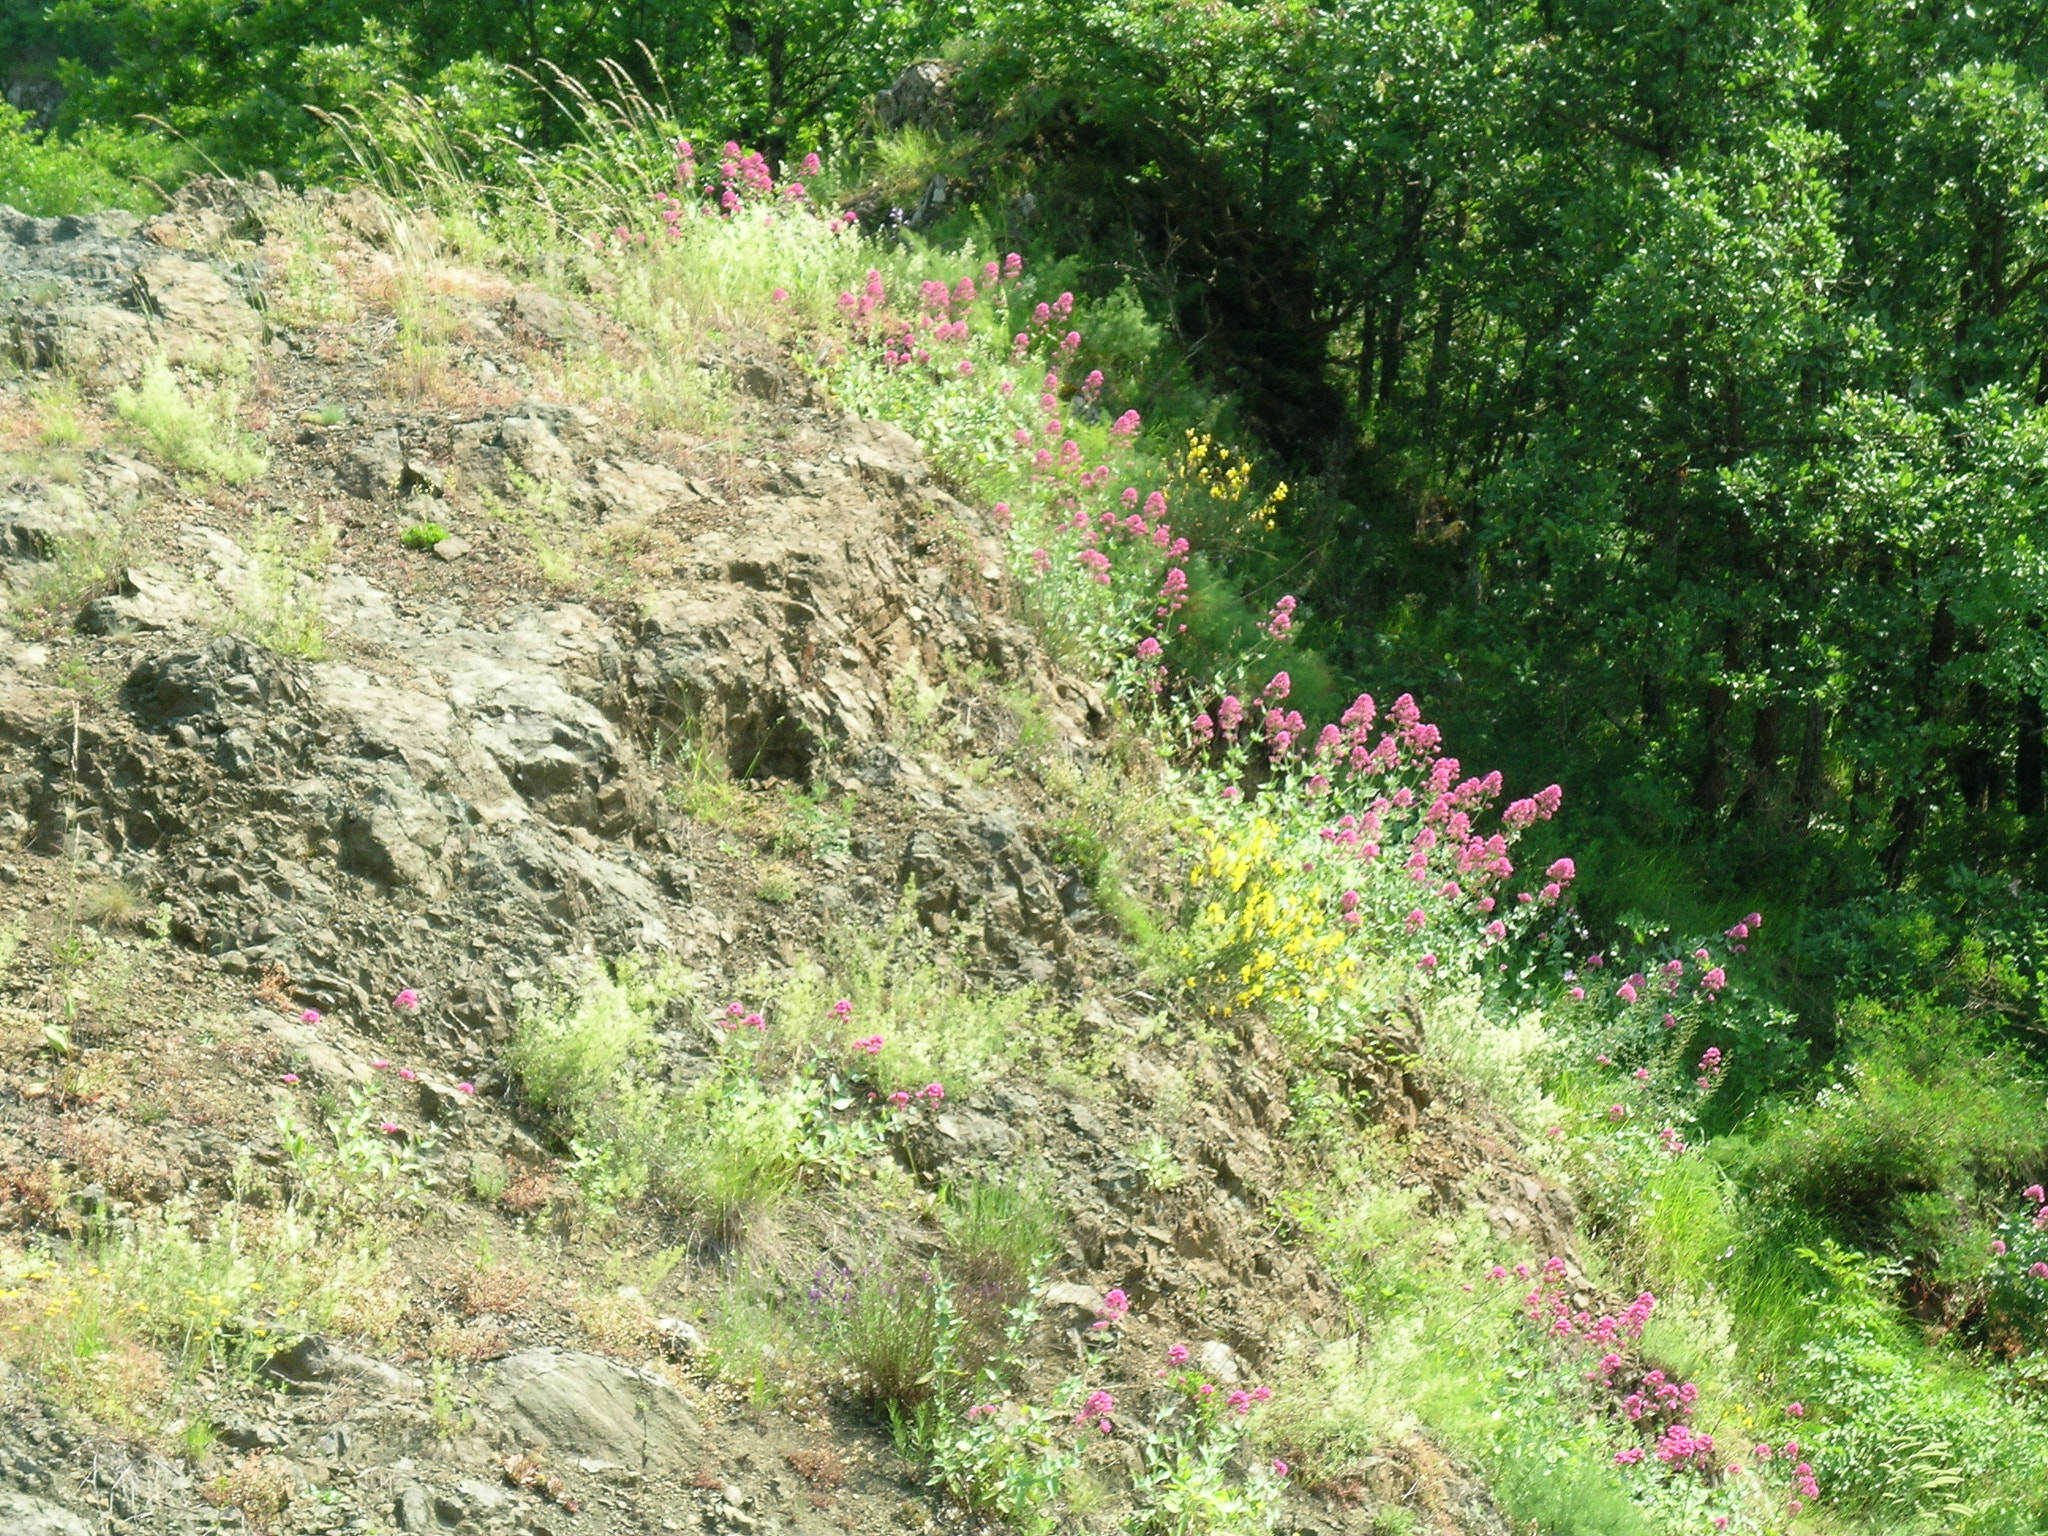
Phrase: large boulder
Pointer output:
(587, 1406)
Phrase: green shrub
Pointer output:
(569, 1046)
(1903, 1147)
(423, 536)
(887, 1327)
(95, 168)
(78, 568)
(936, 1023)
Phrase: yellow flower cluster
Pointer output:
(1205, 465)
(1263, 936)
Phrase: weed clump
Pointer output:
(193, 429)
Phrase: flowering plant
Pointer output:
(1363, 868)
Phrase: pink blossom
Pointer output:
(934, 1091)
(2035, 1193)
(1427, 963)
(380, 1064)
(2038, 1271)
(1099, 1406)
(289, 1077)
(1796, 1410)
(1998, 1246)
(869, 1045)
(1577, 994)
(389, 1128)
(407, 1001)
(1626, 992)
(469, 1088)
(1148, 649)
(899, 1098)
(1177, 1354)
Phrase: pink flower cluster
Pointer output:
(1804, 1486)
(738, 1016)
(1659, 1396)
(1098, 1409)
(903, 1096)
(941, 319)
(1682, 1447)
(1742, 930)
(1712, 1066)
(1279, 624)
(1238, 1401)
(1115, 1307)
(1550, 1307)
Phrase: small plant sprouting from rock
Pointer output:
(196, 430)
(423, 536)
(278, 600)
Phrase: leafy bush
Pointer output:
(1898, 1150)
(1356, 875)
(96, 167)
(423, 536)
(570, 1044)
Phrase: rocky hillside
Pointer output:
(368, 702)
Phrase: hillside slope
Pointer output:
(328, 858)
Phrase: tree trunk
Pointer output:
(2027, 760)
(1976, 768)
(1368, 353)
(1763, 761)
(1712, 785)
(1440, 339)
(1808, 781)
(1909, 812)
